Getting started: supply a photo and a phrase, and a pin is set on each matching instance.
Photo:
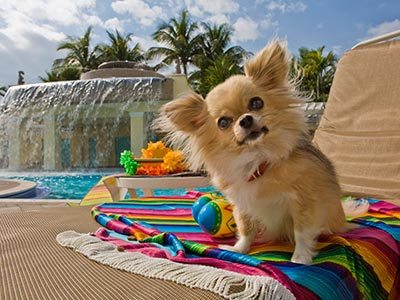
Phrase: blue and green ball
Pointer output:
(214, 215)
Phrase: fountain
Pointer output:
(84, 123)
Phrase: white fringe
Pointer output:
(193, 276)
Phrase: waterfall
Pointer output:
(76, 124)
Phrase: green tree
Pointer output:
(223, 67)
(50, 76)
(80, 57)
(215, 41)
(79, 52)
(217, 60)
(119, 48)
(181, 42)
(62, 73)
(317, 71)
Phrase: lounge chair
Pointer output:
(359, 132)
(360, 128)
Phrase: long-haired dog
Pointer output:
(250, 134)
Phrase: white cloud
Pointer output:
(19, 28)
(145, 42)
(286, 6)
(216, 11)
(384, 27)
(268, 22)
(114, 23)
(146, 15)
(194, 9)
(66, 12)
(30, 31)
(42, 17)
(109, 24)
(93, 20)
(218, 19)
(217, 7)
(245, 30)
(34, 60)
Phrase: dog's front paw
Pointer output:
(242, 245)
(227, 247)
(301, 259)
(235, 248)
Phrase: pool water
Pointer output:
(65, 186)
(76, 186)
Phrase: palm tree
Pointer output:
(119, 48)
(222, 68)
(317, 71)
(50, 76)
(79, 52)
(217, 61)
(63, 73)
(215, 41)
(181, 42)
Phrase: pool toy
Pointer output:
(214, 215)
(203, 200)
(128, 162)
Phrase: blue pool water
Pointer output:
(76, 186)
(64, 186)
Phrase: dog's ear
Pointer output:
(270, 67)
(188, 113)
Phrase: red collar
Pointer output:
(259, 171)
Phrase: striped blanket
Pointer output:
(97, 194)
(362, 264)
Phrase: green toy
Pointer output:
(126, 160)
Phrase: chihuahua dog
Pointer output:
(250, 134)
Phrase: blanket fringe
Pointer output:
(221, 282)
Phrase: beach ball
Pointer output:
(214, 215)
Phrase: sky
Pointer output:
(30, 30)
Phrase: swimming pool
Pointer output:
(76, 186)
(64, 186)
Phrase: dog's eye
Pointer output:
(256, 103)
(224, 122)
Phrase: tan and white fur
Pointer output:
(255, 119)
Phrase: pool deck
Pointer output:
(10, 187)
(11, 205)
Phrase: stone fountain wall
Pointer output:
(87, 121)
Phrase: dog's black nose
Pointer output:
(246, 121)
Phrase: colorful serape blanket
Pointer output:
(97, 194)
(361, 264)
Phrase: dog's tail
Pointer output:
(354, 208)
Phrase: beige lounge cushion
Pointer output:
(360, 128)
